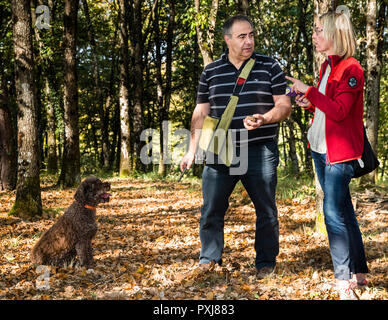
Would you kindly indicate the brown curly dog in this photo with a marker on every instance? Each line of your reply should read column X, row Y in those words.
column 72, row 234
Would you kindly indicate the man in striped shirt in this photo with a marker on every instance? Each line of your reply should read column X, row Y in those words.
column 263, row 97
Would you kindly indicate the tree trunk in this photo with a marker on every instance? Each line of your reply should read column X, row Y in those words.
column 52, row 159
column 197, row 167
column 8, row 149
column 304, row 114
column 112, row 104
column 125, row 141
column 243, row 7
column 28, row 203
column 98, row 91
column 71, row 173
column 292, row 144
column 8, row 154
column 165, row 106
column 159, row 90
column 373, row 74
column 137, row 47
column 206, row 44
column 320, row 7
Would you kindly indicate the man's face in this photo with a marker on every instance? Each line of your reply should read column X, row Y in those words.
column 240, row 42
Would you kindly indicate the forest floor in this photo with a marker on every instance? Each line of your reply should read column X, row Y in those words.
column 147, row 247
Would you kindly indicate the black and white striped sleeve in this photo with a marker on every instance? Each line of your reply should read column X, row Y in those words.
column 203, row 89
column 278, row 80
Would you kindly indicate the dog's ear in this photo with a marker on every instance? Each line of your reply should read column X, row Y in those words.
column 80, row 193
column 89, row 191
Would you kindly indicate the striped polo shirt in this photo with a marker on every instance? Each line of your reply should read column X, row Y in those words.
column 266, row 79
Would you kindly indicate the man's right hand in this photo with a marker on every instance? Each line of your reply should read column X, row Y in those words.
column 187, row 161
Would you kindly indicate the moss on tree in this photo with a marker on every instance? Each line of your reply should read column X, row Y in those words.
column 28, row 203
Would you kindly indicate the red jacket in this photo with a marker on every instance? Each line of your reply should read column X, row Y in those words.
column 342, row 105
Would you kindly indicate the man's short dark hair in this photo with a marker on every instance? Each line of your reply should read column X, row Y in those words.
column 229, row 23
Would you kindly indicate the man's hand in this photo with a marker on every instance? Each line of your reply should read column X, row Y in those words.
column 254, row 121
column 200, row 112
column 187, row 161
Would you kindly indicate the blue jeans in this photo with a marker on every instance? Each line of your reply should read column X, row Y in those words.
column 260, row 181
column 345, row 241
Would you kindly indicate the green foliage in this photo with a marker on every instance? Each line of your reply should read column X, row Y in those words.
column 283, row 31
column 291, row 186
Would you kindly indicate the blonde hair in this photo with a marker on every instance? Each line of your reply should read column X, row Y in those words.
column 338, row 28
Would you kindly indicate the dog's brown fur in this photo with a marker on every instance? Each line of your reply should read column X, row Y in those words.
column 72, row 234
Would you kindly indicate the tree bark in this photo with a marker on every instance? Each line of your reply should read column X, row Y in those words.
column 159, row 89
column 8, row 148
column 52, row 159
column 164, row 105
column 243, row 7
column 45, row 70
column 373, row 74
column 71, row 172
column 292, row 144
column 8, row 153
column 137, row 47
column 125, row 142
column 28, row 203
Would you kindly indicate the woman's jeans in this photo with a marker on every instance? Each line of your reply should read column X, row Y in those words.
column 345, row 241
column 260, row 182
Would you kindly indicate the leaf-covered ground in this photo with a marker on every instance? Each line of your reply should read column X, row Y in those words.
column 147, row 247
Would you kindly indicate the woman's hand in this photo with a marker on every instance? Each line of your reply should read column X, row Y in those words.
column 303, row 102
column 297, row 85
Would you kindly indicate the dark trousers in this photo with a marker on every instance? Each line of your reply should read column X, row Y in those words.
column 260, row 181
column 345, row 241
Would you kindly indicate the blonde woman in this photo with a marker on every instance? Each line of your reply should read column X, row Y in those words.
column 336, row 142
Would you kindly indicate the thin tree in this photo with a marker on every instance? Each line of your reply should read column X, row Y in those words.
column 373, row 74
column 206, row 43
column 125, row 143
column 70, row 173
column 164, row 104
column 28, row 201
column 52, row 159
column 8, row 152
column 243, row 7
column 98, row 89
column 8, row 149
column 136, row 50
column 320, row 7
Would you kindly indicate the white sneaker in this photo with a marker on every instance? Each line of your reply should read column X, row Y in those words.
column 345, row 291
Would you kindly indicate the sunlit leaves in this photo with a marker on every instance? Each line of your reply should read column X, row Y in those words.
column 147, row 247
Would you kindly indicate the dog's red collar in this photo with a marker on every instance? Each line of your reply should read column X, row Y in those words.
column 90, row 207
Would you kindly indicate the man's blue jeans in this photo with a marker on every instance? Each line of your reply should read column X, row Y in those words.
column 260, row 182
column 345, row 241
